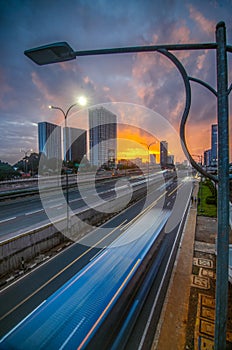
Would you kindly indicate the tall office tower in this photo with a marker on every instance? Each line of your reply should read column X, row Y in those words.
column 163, row 153
column 207, row 157
column 102, row 137
column 49, row 140
column 76, row 143
column 170, row 159
column 214, row 144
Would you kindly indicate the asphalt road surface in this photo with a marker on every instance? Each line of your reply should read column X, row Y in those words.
column 19, row 299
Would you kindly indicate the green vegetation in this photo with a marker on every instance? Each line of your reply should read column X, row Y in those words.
column 207, row 195
column 7, row 171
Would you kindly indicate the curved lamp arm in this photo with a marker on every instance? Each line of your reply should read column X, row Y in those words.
column 186, row 80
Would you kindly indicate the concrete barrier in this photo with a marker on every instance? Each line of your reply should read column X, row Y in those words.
column 30, row 244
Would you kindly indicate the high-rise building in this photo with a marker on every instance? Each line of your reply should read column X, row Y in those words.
column 214, row 144
column 102, row 137
column 163, row 153
column 170, row 159
column 207, row 157
column 76, row 143
column 49, row 137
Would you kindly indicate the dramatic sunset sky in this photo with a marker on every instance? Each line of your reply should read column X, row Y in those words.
column 138, row 84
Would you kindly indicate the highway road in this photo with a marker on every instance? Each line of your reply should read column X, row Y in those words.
column 142, row 333
column 27, row 293
column 19, row 215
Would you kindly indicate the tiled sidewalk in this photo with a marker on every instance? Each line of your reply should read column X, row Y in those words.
column 187, row 319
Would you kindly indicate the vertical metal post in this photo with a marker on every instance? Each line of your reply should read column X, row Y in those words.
column 223, row 192
column 148, row 167
column 66, row 157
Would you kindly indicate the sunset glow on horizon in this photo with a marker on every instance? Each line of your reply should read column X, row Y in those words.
column 149, row 80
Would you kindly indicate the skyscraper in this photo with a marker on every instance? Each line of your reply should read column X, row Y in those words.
column 207, row 157
column 102, row 137
column 163, row 153
column 49, row 137
column 76, row 144
column 170, row 159
column 214, row 144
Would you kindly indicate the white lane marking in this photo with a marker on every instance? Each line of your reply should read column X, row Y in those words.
column 71, row 334
column 123, row 227
column 24, row 319
column 97, row 253
column 34, row 212
column 12, row 218
column 78, row 199
column 55, row 206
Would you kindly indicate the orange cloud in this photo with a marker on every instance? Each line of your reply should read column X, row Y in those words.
column 42, row 87
column 156, row 65
column 206, row 25
column 201, row 60
column 67, row 67
column 87, row 80
column 133, row 143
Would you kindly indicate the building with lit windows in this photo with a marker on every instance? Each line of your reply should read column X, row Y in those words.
column 76, row 144
column 214, row 144
column 102, row 137
column 49, row 137
column 163, row 153
column 207, row 157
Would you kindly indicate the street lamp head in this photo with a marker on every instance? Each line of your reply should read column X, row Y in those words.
column 82, row 101
column 51, row 53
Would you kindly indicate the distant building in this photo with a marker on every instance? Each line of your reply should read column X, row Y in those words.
column 163, row 153
column 152, row 159
column 137, row 161
column 170, row 159
column 214, row 144
column 49, row 137
column 207, row 157
column 122, row 163
column 102, row 137
column 76, row 143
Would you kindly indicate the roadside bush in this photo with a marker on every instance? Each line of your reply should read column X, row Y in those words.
column 211, row 200
column 211, row 186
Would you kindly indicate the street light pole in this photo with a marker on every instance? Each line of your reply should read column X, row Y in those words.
column 25, row 158
column 223, row 190
column 81, row 101
column 148, row 156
